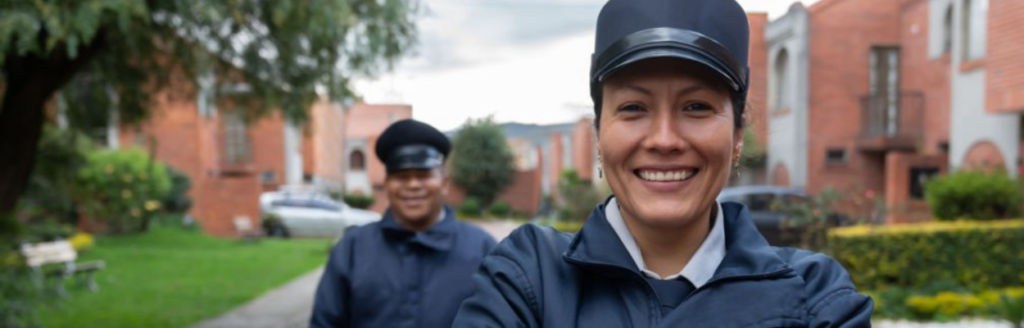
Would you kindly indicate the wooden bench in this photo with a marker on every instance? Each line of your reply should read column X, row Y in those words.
column 246, row 230
column 38, row 256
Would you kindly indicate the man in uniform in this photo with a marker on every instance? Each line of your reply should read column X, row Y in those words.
column 414, row 267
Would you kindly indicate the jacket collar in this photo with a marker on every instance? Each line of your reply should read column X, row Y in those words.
column 438, row 237
column 746, row 251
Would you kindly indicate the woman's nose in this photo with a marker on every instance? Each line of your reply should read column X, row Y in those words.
column 665, row 135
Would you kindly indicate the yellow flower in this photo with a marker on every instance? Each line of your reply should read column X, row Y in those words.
column 152, row 205
column 126, row 194
column 82, row 241
column 127, row 178
column 136, row 212
column 109, row 169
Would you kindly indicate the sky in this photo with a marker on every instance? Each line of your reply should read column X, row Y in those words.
column 521, row 61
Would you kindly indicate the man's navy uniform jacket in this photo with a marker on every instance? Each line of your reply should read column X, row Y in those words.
column 381, row 275
column 539, row 277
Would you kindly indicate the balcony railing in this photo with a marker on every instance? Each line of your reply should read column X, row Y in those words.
column 892, row 122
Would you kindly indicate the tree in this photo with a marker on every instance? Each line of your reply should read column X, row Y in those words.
column 578, row 196
column 282, row 52
column 481, row 160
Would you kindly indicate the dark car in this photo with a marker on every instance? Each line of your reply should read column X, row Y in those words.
column 768, row 207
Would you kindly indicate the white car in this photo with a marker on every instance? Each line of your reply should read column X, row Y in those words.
column 312, row 215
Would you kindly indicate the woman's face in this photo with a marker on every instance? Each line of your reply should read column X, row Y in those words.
column 667, row 140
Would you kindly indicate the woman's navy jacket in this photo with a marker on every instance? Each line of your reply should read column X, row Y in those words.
column 539, row 277
column 381, row 275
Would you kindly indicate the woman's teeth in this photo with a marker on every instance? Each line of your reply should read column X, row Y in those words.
column 666, row 176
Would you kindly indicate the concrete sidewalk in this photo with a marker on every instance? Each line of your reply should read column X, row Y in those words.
column 286, row 307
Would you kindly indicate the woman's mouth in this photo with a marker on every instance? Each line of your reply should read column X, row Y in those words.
column 665, row 175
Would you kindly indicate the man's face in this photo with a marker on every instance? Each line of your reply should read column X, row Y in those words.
column 416, row 196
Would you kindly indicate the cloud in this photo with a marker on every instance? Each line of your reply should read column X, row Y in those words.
column 518, row 60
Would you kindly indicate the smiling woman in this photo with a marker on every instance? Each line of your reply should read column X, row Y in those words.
column 669, row 85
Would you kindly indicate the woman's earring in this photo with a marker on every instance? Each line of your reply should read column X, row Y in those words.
column 600, row 166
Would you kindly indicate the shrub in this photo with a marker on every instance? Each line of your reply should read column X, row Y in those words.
column 977, row 255
column 177, row 200
column 47, row 229
column 19, row 298
column 122, row 189
column 1011, row 309
column 974, row 195
column 944, row 305
column 469, row 207
column 359, row 201
column 500, row 209
column 951, row 305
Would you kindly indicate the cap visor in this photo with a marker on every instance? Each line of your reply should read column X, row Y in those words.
column 665, row 51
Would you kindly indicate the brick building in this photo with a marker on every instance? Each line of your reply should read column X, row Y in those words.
column 231, row 158
column 878, row 95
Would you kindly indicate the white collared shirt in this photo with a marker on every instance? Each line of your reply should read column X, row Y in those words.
column 702, row 265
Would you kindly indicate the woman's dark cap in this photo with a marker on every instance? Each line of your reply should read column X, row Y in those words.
column 713, row 33
column 410, row 144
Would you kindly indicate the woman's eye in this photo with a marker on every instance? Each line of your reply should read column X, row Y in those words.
column 697, row 107
column 631, row 108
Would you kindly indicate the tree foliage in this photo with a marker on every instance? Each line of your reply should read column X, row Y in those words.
column 119, row 53
column 577, row 197
column 482, row 162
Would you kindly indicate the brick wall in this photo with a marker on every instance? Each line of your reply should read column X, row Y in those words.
column 757, row 97
column 899, row 206
column 267, row 137
column 1004, row 65
column 842, row 33
column 583, row 148
column 326, row 141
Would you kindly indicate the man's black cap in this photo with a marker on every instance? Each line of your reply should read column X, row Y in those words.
column 714, row 33
column 410, row 144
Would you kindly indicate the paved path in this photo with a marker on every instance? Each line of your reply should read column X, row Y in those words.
column 286, row 307
column 498, row 229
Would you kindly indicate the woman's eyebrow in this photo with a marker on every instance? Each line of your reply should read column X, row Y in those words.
column 645, row 91
column 631, row 87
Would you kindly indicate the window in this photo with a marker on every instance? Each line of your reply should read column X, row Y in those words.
column 357, row 161
column 947, row 30
column 236, row 142
column 973, row 29
column 884, row 81
column 918, row 177
column 835, row 156
column 781, row 81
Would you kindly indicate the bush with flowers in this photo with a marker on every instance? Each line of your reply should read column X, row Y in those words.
column 122, row 189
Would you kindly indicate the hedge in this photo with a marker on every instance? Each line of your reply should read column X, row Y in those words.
column 974, row 254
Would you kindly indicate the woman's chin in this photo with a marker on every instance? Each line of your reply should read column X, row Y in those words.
column 666, row 217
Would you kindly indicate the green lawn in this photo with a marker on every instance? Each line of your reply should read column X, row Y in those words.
column 172, row 278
